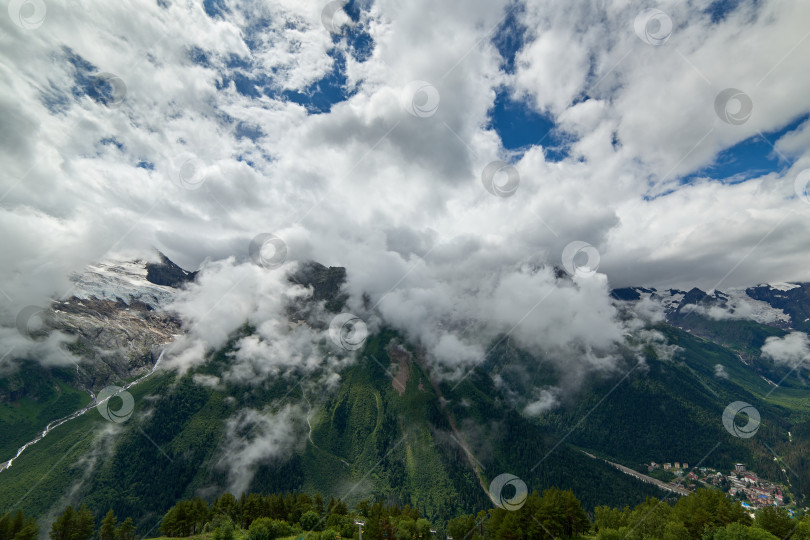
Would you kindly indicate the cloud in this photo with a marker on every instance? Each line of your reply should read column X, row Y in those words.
column 394, row 197
column 793, row 350
column 658, row 342
column 459, row 319
column 48, row 350
column 546, row 400
column 225, row 296
column 255, row 438
column 720, row 371
column 229, row 296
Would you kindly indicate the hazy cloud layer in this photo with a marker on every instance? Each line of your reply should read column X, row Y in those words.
column 793, row 350
column 255, row 438
column 204, row 146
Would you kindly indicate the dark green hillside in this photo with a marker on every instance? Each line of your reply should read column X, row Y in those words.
column 383, row 434
column 671, row 410
column 747, row 337
column 47, row 470
column 370, row 439
column 30, row 398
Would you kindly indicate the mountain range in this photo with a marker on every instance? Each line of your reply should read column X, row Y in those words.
column 379, row 424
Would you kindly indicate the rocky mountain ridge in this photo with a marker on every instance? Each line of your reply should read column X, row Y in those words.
column 782, row 305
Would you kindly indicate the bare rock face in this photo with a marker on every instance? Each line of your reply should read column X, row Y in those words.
column 116, row 341
column 167, row 273
column 117, row 320
column 326, row 285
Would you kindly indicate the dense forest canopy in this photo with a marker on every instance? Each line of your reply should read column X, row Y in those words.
column 704, row 514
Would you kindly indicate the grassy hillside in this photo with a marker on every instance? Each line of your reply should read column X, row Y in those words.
column 388, row 433
column 671, row 410
column 46, row 471
column 369, row 440
column 30, row 398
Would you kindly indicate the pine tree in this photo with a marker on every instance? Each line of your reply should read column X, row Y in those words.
column 29, row 531
column 17, row 522
column 107, row 530
column 62, row 528
column 5, row 521
column 84, row 524
column 17, row 527
column 319, row 504
column 126, row 531
column 776, row 521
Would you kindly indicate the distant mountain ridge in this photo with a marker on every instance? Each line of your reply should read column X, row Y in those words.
column 385, row 428
column 782, row 305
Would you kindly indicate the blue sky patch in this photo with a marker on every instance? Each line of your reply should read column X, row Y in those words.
column 84, row 83
column 106, row 141
column 199, row 57
column 253, row 36
column 353, row 10
column 248, row 131
column 105, row 88
column 214, row 8
column 520, row 126
column 319, row 96
column 510, row 36
column 56, row 100
column 242, row 159
column 361, row 45
column 750, row 158
column 245, row 85
column 359, row 41
column 720, row 9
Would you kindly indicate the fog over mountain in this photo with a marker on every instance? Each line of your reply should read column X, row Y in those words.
column 188, row 128
column 502, row 203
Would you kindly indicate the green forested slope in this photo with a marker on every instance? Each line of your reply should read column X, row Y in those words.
column 371, row 440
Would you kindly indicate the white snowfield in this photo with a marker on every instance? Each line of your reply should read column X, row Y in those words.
column 756, row 310
column 783, row 286
column 109, row 280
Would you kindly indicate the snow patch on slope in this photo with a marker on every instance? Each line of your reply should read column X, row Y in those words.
column 783, row 286
column 729, row 304
column 742, row 306
column 111, row 280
